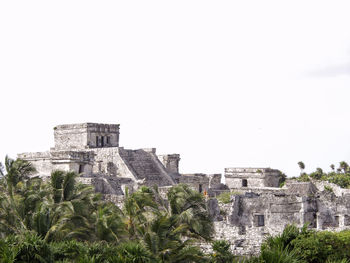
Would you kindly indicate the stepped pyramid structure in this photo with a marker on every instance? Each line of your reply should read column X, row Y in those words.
column 92, row 150
column 257, row 206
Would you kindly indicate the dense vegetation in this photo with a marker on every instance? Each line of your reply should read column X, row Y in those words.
column 61, row 220
column 339, row 176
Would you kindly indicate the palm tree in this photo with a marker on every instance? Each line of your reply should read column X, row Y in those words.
column 280, row 255
column 57, row 210
column 164, row 238
column 132, row 252
column 73, row 208
column 318, row 174
column 301, row 166
column 221, row 252
column 1, row 169
column 139, row 209
column 344, row 166
column 109, row 224
column 167, row 234
column 16, row 171
column 12, row 206
column 190, row 208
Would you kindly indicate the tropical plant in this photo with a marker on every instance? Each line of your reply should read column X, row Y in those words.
column 344, row 166
column 332, row 167
column 279, row 255
column 190, row 208
column 221, row 252
column 301, row 166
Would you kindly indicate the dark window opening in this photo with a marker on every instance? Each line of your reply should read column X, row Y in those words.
column 336, row 220
column 102, row 141
column 313, row 221
column 244, row 183
column 96, row 141
column 81, row 168
column 259, row 220
column 242, row 230
column 200, row 188
column 108, row 140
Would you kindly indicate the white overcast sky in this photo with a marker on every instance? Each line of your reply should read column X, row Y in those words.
column 223, row 83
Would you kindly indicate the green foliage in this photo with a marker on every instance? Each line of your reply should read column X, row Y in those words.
column 328, row 188
column 307, row 246
column 318, row 174
column 279, row 255
column 132, row 252
column 65, row 221
column 301, row 165
column 283, row 241
column 282, row 180
column 303, row 178
column 31, row 248
column 68, row 249
column 222, row 252
column 344, row 260
column 317, row 247
column 339, row 176
column 343, row 180
column 8, row 252
column 190, row 208
column 225, row 197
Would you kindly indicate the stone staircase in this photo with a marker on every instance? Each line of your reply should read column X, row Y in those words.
column 146, row 167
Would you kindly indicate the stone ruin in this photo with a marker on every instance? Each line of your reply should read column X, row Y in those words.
column 258, row 207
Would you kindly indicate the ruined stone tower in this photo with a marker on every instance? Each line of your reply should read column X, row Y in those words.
column 85, row 136
column 93, row 151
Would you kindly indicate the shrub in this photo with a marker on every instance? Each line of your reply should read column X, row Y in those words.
column 68, row 249
column 279, row 255
column 343, row 180
column 225, row 197
column 283, row 241
column 222, row 252
column 8, row 252
column 328, row 189
column 303, row 178
column 32, row 248
column 132, row 252
column 317, row 247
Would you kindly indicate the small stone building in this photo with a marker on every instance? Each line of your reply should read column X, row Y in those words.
column 252, row 177
column 92, row 150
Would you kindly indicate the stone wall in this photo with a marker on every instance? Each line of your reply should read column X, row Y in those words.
column 252, row 177
column 198, row 182
column 170, row 162
column 86, row 135
column 40, row 160
column 336, row 189
column 102, row 135
column 68, row 137
column 46, row 162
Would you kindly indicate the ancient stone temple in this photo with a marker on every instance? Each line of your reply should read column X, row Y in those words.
column 93, row 151
column 257, row 205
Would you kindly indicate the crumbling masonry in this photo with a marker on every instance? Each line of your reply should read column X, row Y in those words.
column 258, row 206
